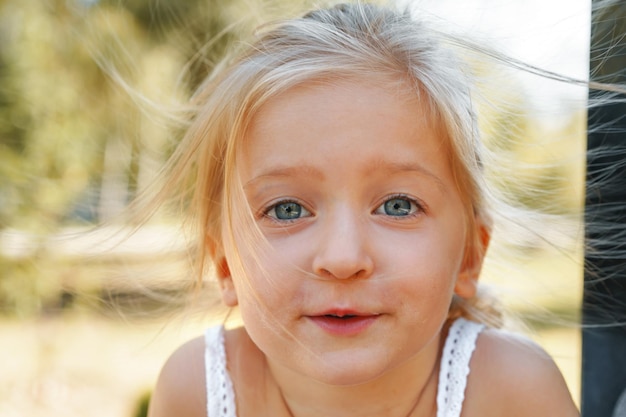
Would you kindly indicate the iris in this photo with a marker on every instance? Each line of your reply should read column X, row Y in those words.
column 288, row 211
column 397, row 207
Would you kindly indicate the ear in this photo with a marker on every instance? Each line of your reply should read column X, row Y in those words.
column 467, row 280
column 225, row 281
column 227, row 288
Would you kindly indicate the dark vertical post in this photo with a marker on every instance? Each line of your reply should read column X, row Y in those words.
column 604, row 299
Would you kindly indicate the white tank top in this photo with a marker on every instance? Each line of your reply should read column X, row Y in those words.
column 457, row 352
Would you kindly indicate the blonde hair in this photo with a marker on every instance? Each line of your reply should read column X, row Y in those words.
column 347, row 40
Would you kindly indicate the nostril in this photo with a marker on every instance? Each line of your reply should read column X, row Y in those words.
column 342, row 274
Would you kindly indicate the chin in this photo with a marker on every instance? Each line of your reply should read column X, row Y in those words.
column 347, row 371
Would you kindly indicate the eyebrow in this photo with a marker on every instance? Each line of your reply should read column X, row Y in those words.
column 312, row 172
column 394, row 167
column 290, row 171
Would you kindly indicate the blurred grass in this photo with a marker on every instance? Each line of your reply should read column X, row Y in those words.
column 82, row 365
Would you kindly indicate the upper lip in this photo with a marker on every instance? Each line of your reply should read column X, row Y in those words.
column 340, row 312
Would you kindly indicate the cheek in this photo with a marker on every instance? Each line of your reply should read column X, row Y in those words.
column 269, row 294
column 268, row 280
column 433, row 251
column 424, row 266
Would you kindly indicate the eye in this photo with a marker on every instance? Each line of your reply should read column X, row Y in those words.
column 287, row 210
column 398, row 206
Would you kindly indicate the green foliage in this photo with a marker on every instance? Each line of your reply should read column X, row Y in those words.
column 60, row 112
column 537, row 166
column 142, row 405
column 75, row 144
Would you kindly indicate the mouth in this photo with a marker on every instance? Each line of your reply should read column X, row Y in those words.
column 341, row 316
column 338, row 323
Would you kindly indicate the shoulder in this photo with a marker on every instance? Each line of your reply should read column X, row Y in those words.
column 511, row 375
column 180, row 389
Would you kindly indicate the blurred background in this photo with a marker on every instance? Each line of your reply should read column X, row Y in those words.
column 87, row 88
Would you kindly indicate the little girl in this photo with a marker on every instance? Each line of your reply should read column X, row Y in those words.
column 340, row 200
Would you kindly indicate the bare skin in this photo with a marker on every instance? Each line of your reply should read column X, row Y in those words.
column 510, row 376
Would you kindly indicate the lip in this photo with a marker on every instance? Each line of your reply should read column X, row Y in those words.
column 343, row 322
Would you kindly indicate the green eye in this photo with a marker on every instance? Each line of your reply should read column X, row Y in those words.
column 287, row 210
column 398, row 207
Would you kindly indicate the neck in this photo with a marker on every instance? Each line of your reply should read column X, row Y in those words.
column 410, row 389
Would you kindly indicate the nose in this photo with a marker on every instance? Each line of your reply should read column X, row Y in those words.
column 343, row 247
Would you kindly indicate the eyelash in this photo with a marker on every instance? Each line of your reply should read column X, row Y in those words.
column 265, row 213
column 419, row 206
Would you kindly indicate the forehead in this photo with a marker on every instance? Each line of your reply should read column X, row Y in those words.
column 381, row 115
column 346, row 130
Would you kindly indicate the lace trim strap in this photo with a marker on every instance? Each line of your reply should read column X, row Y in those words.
column 455, row 359
column 219, row 387
column 457, row 353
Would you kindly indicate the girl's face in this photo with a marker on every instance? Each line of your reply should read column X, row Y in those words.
column 365, row 229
